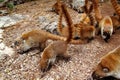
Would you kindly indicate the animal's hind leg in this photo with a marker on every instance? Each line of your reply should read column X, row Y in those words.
column 42, row 46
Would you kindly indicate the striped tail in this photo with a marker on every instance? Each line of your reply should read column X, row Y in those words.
column 59, row 27
column 68, row 21
column 92, row 20
column 97, row 11
column 116, row 7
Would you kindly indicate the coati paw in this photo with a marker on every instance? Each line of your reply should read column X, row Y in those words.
column 90, row 39
column 76, row 38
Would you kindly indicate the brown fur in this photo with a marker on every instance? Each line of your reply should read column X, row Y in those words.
column 109, row 65
column 37, row 38
column 116, row 23
column 116, row 7
column 86, row 30
column 57, row 7
column 105, row 23
column 57, row 48
column 106, row 28
column 97, row 11
column 80, row 30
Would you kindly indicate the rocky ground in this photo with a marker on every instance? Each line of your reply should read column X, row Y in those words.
column 83, row 57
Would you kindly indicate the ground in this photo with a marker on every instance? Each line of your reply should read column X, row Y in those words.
column 83, row 57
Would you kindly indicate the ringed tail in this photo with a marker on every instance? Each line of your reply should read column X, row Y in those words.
column 116, row 6
column 68, row 21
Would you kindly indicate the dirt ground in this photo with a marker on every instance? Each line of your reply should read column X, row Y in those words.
column 83, row 57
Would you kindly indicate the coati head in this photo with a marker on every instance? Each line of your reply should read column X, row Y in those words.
column 84, row 31
column 106, row 28
column 24, row 44
column 88, row 32
column 44, row 65
column 108, row 66
column 46, row 61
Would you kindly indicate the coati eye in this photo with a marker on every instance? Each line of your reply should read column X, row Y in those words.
column 16, row 43
column 106, row 70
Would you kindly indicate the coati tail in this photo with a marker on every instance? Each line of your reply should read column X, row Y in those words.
column 97, row 11
column 92, row 20
column 116, row 6
column 88, row 7
column 69, row 22
column 59, row 27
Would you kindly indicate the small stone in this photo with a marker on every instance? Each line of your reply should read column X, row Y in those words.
column 2, row 46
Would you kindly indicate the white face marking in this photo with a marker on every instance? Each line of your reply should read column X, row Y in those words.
column 109, row 27
column 26, row 46
column 93, row 34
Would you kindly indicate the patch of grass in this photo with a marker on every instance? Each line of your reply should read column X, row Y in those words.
column 1, row 1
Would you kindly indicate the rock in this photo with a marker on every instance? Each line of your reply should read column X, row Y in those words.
column 2, row 46
column 11, row 20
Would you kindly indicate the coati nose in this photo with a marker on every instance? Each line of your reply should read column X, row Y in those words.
column 16, row 43
column 95, row 76
column 76, row 38
column 107, row 34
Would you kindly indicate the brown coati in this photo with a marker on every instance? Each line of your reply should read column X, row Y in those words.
column 57, row 48
column 109, row 65
column 105, row 24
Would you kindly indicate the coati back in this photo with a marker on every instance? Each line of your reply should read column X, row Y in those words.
column 116, row 23
column 109, row 65
column 57, row 48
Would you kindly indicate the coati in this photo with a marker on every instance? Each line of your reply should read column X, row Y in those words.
column 57, row 48
column 105, row 24
column 80, row 30
column 109, row 65
column 37, row 38
column 106, row 28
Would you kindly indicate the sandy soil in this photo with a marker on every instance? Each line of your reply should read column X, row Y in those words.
column 83, row 57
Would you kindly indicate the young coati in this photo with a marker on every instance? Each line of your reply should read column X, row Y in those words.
column 37, row 38
column 57, row 48
column 105, row 24
column 81, row 30
column 109, row 65
column 106, row 28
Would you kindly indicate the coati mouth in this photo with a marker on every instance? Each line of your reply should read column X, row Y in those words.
column 97, row 77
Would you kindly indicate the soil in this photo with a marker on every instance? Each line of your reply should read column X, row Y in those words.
column 83, row 57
